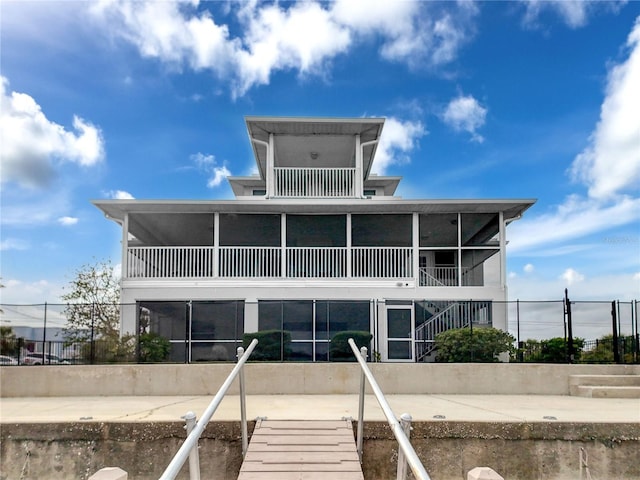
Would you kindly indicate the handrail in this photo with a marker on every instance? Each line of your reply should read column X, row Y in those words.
column 403, row 442
column 191, row 442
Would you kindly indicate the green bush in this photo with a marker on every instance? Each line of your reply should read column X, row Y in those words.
column 477, row 345
column 273, row 345
column 339, row 349
column 552, row 350
column 153, row 348
column 603, row 351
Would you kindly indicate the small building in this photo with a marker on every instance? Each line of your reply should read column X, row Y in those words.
column 313, row 244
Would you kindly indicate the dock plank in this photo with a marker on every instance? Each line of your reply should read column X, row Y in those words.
column 302, row 450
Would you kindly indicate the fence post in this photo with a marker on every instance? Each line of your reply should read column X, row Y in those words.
column 243, row 405
column 359, row 442
column 614, row 323
column 405, row 423
column 570, row 349
column 44, row 336
column 194, row 457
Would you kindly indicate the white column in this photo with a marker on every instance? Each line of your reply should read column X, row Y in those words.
column 216, row 244
column 359, row 189
column 283, row 245
column 124, row 268
column 270, row 167
column 415, row 242
column 503, row 254
column 459, row 250
column 349, row 247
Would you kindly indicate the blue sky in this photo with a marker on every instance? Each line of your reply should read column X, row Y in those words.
column 123, row 99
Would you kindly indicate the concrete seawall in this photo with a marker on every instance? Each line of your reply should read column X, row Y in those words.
column 295, row 378
column 519, row 451
column 67, row 422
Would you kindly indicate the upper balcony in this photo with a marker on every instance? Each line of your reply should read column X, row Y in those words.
column 312, row 158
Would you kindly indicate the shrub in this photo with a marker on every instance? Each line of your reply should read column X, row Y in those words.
column 153, row 348
column 477, row 345
column 273, row 345
column 552, row 350
column 339, row 349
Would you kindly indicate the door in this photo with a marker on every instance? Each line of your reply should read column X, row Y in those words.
column 399, row 333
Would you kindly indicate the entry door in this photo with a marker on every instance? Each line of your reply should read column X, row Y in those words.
column 400, row 325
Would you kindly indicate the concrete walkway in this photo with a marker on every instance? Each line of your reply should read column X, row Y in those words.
column 477, row 408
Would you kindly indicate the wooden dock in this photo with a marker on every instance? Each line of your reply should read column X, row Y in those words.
column 302, row 450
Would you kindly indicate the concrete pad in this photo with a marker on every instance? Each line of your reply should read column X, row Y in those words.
column 478, row 408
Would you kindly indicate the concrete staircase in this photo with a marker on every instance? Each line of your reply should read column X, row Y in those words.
column 605, row 386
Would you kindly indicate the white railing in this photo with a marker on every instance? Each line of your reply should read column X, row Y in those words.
column 250, row 262
column 314, row 182
column 400, row 430
column 266, row 262
column 316, row 262
column 453, row 315
column 189, row 448
column 441, row 276
column 170, row 262
column 382, row 262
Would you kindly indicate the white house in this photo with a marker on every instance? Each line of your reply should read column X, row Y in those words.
column 313, row 244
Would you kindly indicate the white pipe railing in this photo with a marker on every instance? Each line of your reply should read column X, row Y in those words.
column 314, row 182
column 397, row 429
column 191, row 442
column 250, row 262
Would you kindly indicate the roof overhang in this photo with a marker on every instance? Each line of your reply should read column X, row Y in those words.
column 312, row 133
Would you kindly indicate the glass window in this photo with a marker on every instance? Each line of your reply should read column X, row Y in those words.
column 213, row 351
column 269, row 315
column 298, row 319
column 399, row 350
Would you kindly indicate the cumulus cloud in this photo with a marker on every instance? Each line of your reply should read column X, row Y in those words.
column 464, row 113
column 67, row 221
column 610, row 164
column 571, row 276
column 119, row 195
column 208, row 164
column 302, row 36
column 609, row 167
column 528, row 268
column 32, row 145
column 574, row 13
column 398, row 139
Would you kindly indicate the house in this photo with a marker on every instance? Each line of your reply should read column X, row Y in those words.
column 313, row 244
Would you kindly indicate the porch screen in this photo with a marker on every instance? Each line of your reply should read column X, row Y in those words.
column 312, row 323
column 198, row 331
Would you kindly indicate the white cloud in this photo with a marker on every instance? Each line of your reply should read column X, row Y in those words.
column 13, row 244
column 32, row 145
column 208, row 164
column 303, row 36
column 609, row 166
column 571, row 276
column 575, row 218
column 67, row 221
column 464, row 113
column 611, row 163
column 398, row 139
column 573, row 12
column 120, row 195
column 528, row 268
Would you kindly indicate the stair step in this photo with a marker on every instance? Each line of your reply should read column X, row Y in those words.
column 600, row 391
column 605, row 380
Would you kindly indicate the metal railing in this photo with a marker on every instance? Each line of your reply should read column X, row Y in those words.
column 400, row 430
column 194, row 429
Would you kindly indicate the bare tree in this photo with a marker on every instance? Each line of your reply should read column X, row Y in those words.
column 93, row 303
